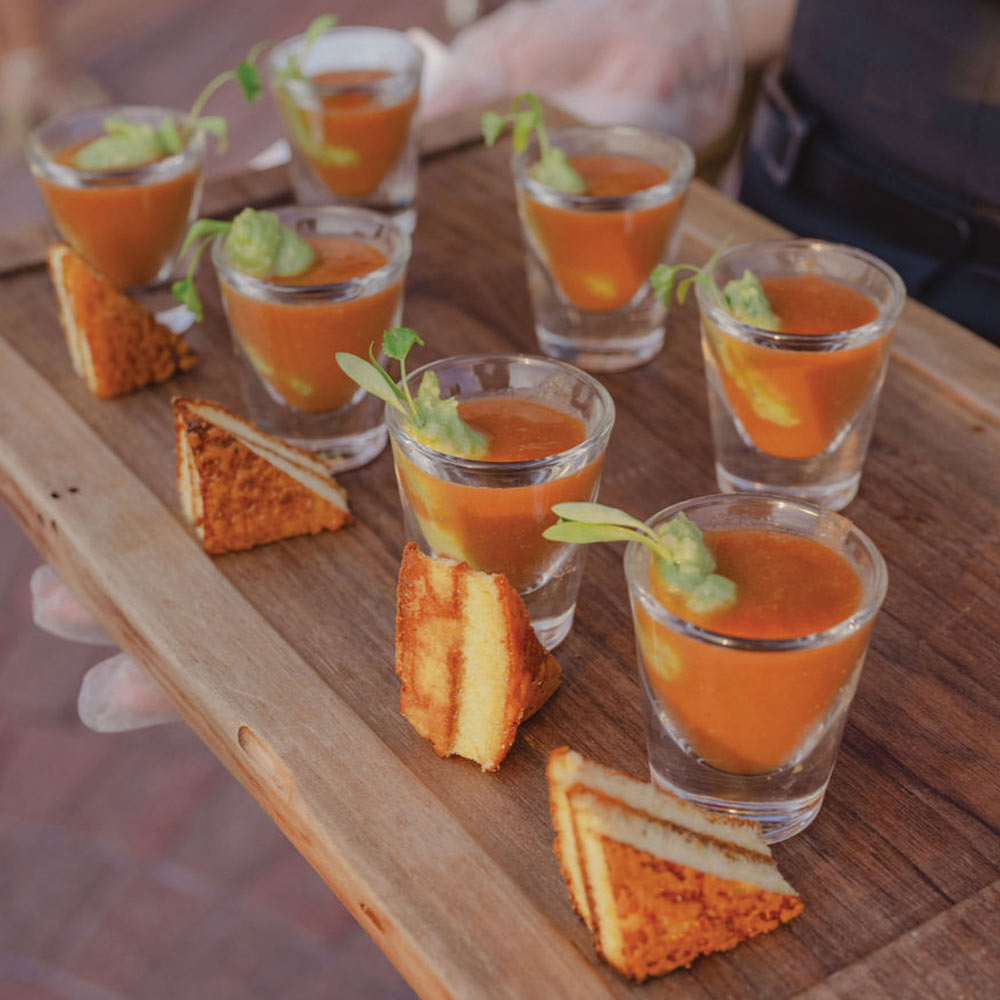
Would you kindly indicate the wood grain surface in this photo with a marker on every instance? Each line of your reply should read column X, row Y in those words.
column 281, row 658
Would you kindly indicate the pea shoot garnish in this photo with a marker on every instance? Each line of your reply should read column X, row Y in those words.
column 431, row 420
column 552, row 168
column 684, row 562
column 743, row 298
column 256, row 243
column 128, row 144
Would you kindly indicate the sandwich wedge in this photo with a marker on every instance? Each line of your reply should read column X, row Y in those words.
column 241, row 487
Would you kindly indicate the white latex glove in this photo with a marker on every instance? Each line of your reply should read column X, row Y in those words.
column 673, row 65
column 116, row 695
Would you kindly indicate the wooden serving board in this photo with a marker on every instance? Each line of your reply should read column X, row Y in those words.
column 282, row 658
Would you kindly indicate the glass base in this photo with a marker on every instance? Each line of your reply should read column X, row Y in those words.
column 617, row 354
column 832, row 496
column 552, row 631
column 339, row 454
column 778, row 820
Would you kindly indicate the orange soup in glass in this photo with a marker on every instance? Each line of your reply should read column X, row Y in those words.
column 349, row 108
column 745, row 705
column 127, row 223
column 793, row 409
column 547, row 426
column 590, row 255
column 287, row 331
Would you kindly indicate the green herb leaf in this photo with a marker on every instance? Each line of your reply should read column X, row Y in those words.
column 201, row 228
column 598, row 513
column 319, row 26
column 184, row 291
column 398, row 341
column 582, row 533
column 248, row 77
column 492, row 125
column 555, row 171
column 372, row 379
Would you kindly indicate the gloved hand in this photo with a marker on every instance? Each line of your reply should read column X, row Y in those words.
column 116, row 695
column 672, row 65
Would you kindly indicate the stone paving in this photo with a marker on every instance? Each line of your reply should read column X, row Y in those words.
column 133, row 865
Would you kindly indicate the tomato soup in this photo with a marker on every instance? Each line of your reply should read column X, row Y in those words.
column 292, row 344
column 794, row 404
column 600, row 259
column 747, row 711
column 126, row 230
column 499, row 530
column 357, row 123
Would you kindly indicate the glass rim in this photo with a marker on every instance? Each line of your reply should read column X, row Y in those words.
column 659, row 194
column 66, row 175
column 888, row 314
column 396, row 422
column 338, row 291
column 279, row 54
column 637, row 564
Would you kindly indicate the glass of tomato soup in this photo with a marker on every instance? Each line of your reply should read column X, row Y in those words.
column 287, row 331
column 547, row 425
column 745, row 705
column 348, row 100
column 589, row 256
column 793, row 409
column 127, row 223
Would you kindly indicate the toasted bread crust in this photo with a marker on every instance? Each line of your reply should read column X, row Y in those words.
column 242, row 499
column 705, row 914
column 116, row 344
column 430, row 659
column 649, row 913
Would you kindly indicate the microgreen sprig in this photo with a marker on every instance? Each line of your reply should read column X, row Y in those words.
column 743, row 298
column 553, row 167
column 432, row 420
column 683, row 560
column 257, row 243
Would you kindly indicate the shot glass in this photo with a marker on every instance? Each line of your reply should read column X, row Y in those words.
column 751, row 727
column 128, row 223
column 793, row 413
column 589, row 256
column 350, row 116
column 491, row 514
column 286, row 334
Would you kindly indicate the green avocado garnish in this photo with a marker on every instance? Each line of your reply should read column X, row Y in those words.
column 256, row 243
column 553, row 168
column 684, row 562
column 431, row 420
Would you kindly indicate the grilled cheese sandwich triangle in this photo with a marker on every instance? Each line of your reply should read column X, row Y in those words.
column 471, row 666
column 658, row 880
column 116, row 345
column 240, row 487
